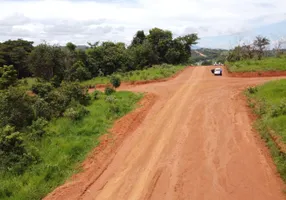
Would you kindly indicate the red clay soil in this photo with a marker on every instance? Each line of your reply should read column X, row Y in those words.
column 256, row 74
column 195, row 142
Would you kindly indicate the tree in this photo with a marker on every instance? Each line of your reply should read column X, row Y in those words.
column 161, row 41
column 142, row 55
column 260, row 44
column 189, row 40
column 46, row 61
column 16, row 52
column 108, row 58
column 8, row 76
column 77, row 72
column 70, row 46
column 115, row 81
column 139, row 38
column 15, row 108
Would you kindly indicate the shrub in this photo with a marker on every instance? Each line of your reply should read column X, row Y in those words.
column 110, row 99
column 108, row 90
column 252, row 90
column 8, row 76
column 96, row 94
column 14, row 155
column 37, row 129
column 16, row 108
column 114, row 108
column 115, row 81
column 279, row 109
column 74, row 91
column 42, row 88
column 76, row 111
column 41, row 108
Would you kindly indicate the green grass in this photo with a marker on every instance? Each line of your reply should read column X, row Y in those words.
column 269, row 102
column 154, row 73
column 266, row 64
column 64, row 148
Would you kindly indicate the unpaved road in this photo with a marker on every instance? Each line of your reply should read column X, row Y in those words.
column 196, row 143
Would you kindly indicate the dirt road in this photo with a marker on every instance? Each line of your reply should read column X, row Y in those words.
column 196, row 142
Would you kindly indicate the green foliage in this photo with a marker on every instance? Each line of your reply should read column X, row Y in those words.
column 76, row 111
column 157, row 71
column 37, row 129
column 78, row 72
column 42, row 88
column 270, row 103
column 115, row 81
column 96, row 94
column 265, row 64
column 63, row 149
column 46, row 61
column 16, row 52
column 14, row 155
column 109, row 90
column 15, row 108
column 252, row 90
column 8, row 76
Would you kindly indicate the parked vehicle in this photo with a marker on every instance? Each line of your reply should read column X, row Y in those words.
column 217, row 71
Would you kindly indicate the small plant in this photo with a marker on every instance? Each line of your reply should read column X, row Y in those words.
column 279, row 110
column 110, row 99
column 96, row 94
column 115, row 81
column 109, row 90
column 252, row 90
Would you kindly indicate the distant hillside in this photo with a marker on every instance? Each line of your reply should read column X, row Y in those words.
column 210, row 55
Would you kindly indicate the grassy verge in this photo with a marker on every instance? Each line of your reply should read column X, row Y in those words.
column 65, row 147
column 269, row 103
column 153, row 73
column 266, row 64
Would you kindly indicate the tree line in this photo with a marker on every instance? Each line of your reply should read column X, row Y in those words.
column 55, row 63
column 254, row 50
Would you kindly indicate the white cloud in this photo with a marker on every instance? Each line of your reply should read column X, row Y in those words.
column 82, row 21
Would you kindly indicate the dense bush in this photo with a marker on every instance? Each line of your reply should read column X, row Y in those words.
column 42, row 88
column 279, row 109
column 96, row 94
column 37, row 129
column 76, row 111
column 14, row 155
column 115, row 81
column 8, row 76
column 109, row 90
column 16, row 108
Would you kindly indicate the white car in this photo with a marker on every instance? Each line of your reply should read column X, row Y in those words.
column 218, row 71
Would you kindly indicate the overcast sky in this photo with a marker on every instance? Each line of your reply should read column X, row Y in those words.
column 220, row 23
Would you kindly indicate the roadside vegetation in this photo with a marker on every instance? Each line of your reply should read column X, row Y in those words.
column 265, row 64
column 269, row 103
column 154, row 73
column 45, row 133
column 255, row 57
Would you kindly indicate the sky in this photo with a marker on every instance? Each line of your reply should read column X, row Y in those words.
column 219, row 23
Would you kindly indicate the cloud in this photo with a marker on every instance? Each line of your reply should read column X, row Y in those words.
column 80, row 21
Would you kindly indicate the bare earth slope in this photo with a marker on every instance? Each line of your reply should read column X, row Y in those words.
column 196, row 142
